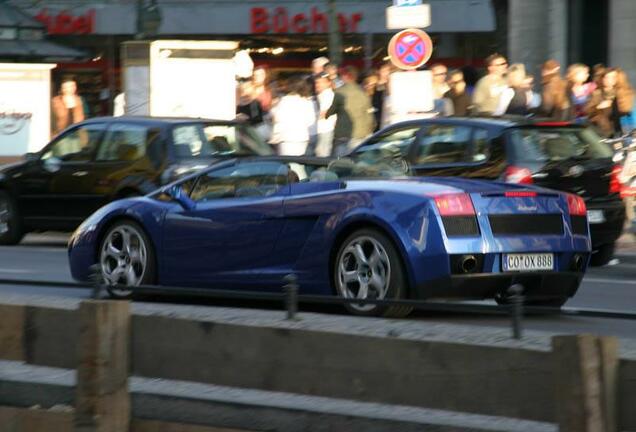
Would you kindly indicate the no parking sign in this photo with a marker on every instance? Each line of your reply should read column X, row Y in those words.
column 410, row 49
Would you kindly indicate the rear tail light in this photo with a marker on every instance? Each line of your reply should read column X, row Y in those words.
column 519, row 175
column 520, row 194
column 615, row 185
column 576, row 205
column 455, row 204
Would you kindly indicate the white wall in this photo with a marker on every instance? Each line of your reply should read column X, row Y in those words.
column 25, row 107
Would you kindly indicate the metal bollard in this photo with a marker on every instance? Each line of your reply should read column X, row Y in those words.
column 291, row 296
column 97, row 280
column 515, row 294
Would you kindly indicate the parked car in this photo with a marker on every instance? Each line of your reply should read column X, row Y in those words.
column 555, row 155
column 102, row 159
column 343, row 228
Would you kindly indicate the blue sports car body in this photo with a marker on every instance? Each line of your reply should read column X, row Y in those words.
column 246, row 223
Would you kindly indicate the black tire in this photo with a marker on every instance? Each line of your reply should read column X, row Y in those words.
column 10, row 225
column 602, row 255
column 147, row 276
column 397, row 282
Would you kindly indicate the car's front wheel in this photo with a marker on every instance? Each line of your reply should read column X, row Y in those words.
column 368, row 267
column 10, row 229
column 127, row 259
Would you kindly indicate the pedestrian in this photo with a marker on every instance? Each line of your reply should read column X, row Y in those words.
column 579, row 90
column 369, row 83
column 517, row 97
column 334, row 75
column 317, row 68
column 261, row 87
column 358, row 105
column 67, row 106
column 490, row 87
column 326, row 125
column 554, row 95
column 457, row 94
column 440, row 87
column 293, row 119
column 611, row 101
column 598, row 70
column 380, row 94
column 248, row 108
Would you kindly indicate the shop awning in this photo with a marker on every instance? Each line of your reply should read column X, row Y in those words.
column 22, row 38
column 38, row 49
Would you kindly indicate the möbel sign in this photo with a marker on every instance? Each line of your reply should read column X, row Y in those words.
column 278, row 20
column 64, row 23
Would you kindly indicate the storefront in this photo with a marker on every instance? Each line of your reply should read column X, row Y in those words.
column 283, row 34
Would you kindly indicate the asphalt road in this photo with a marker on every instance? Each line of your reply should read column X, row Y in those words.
column 43, row 257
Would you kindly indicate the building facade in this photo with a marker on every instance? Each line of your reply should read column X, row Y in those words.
column 573, row 31
column 283, row 34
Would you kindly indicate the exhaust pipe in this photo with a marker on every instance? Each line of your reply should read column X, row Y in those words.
column 578, row 262
column 468, row 264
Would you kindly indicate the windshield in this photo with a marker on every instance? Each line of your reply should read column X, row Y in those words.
column 205, row 140
column 554, row 144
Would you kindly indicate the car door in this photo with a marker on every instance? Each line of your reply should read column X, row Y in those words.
column 125, row 162
column 448, row 149
column 53, row 188
column 227, row 240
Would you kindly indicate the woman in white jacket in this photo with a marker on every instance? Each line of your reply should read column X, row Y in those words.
column 294, row 119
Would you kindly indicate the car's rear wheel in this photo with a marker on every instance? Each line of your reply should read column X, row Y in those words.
column 368, row 267
column 602, row 255
column 127, row 259
column 10, row 229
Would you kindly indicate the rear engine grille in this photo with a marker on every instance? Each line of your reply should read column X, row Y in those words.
column 460, row 226
column 579, row 224
column 537, row 224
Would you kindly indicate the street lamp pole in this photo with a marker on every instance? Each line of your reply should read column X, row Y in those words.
column 335, row 38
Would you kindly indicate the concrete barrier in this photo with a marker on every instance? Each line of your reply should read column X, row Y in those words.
column 494, row 381
column 462, row 374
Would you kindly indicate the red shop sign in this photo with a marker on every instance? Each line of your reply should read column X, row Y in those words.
column 64, row 23
column 278, row 20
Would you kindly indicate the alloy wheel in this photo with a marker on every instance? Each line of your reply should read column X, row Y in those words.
column 364, row 272
column 124, row 258
column 5, row 215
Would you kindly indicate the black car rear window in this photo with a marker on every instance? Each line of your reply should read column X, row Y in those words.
column 542, row 144
column 204, row 140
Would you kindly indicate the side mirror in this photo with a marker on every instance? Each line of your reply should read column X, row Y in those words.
column 177, row 194
column 29, row 157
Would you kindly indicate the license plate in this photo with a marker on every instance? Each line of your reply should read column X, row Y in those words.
column 528, row 262
column 595, row 216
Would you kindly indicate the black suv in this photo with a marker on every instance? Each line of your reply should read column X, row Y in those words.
column 102, row 159
column 556, row 155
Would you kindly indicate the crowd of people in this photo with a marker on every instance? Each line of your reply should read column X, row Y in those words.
column 604, row 101
column 333, row 109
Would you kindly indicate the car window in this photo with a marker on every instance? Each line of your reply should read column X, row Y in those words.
column 126, row 142
column 391, row 147
column 206, row 140
column 542, row 144
column 450, row 144
column 77, row 145
column 243, row 180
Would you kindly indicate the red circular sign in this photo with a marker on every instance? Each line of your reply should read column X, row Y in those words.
column 410, row 49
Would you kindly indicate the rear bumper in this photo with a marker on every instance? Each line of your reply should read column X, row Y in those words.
column 479, row 286
column 610, row 230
